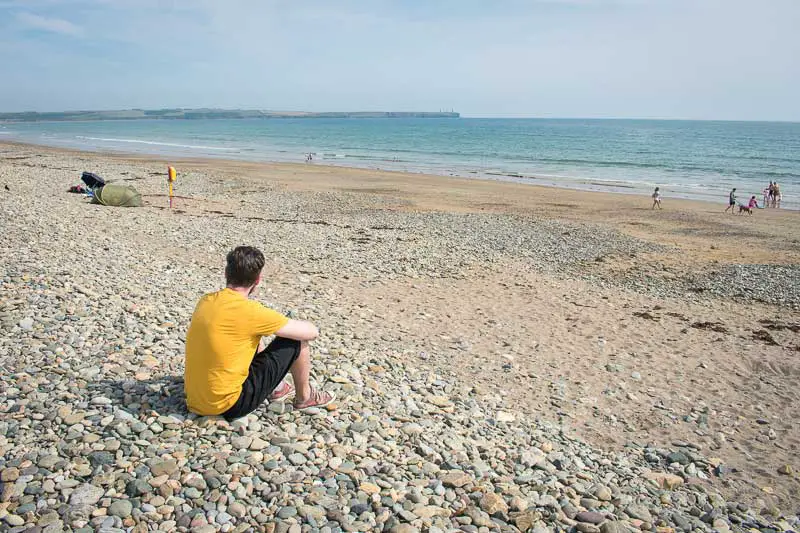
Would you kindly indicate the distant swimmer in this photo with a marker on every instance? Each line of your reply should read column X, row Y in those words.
column 656, row 199
column 731, row 201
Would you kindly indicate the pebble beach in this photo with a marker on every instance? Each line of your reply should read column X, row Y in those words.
column 505, row 357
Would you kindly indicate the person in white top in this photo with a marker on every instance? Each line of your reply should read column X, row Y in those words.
column 656, row 199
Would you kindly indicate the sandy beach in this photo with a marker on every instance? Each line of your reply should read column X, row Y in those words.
column 464, row 323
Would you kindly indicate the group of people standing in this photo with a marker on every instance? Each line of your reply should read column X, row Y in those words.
column 772, row 198
column 772, row 195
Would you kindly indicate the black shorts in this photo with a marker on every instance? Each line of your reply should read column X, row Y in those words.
column 267, row 370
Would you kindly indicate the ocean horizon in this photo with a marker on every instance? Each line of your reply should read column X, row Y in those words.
column 700, row 160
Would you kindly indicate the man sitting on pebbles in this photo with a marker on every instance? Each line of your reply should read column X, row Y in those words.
column 229, row 371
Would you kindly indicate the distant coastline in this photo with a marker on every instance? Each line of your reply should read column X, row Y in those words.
column 195, row 114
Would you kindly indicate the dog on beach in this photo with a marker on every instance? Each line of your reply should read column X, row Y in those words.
column 752, row 204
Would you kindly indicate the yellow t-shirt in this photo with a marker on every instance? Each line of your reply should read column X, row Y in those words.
column 222, row 339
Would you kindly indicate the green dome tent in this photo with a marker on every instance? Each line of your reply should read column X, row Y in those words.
column 117, row 195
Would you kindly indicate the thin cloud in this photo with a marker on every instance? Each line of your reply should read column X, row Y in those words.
column 53, row 25
column 569, row 58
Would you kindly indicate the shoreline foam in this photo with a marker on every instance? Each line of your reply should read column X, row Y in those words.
column 585, row 174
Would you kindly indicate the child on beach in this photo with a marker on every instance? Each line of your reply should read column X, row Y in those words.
column 731, row 201
column 752, row 204
column 656, row 199
column 229, row 371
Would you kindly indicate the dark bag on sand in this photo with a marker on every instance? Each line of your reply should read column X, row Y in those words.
column 92, row 180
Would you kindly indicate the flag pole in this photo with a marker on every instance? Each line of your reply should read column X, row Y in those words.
column 171, row 176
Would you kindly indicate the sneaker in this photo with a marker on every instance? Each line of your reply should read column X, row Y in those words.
column 281, row 391
column 317, row 399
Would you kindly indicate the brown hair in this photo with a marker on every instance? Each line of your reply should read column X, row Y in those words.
column 244, row 264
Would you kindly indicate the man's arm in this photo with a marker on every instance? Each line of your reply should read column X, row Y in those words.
column 299, row 330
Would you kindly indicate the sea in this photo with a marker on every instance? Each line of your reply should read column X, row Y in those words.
column 699, row 160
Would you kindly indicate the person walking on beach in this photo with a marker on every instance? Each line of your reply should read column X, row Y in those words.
column 731, row 201
column 229, row 371
column 776, row 195
column 767, row 194
column 656, row 199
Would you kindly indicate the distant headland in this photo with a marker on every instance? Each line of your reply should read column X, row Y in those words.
column 194, row 114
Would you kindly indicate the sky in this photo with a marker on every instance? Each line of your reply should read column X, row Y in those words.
column 680, row 59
